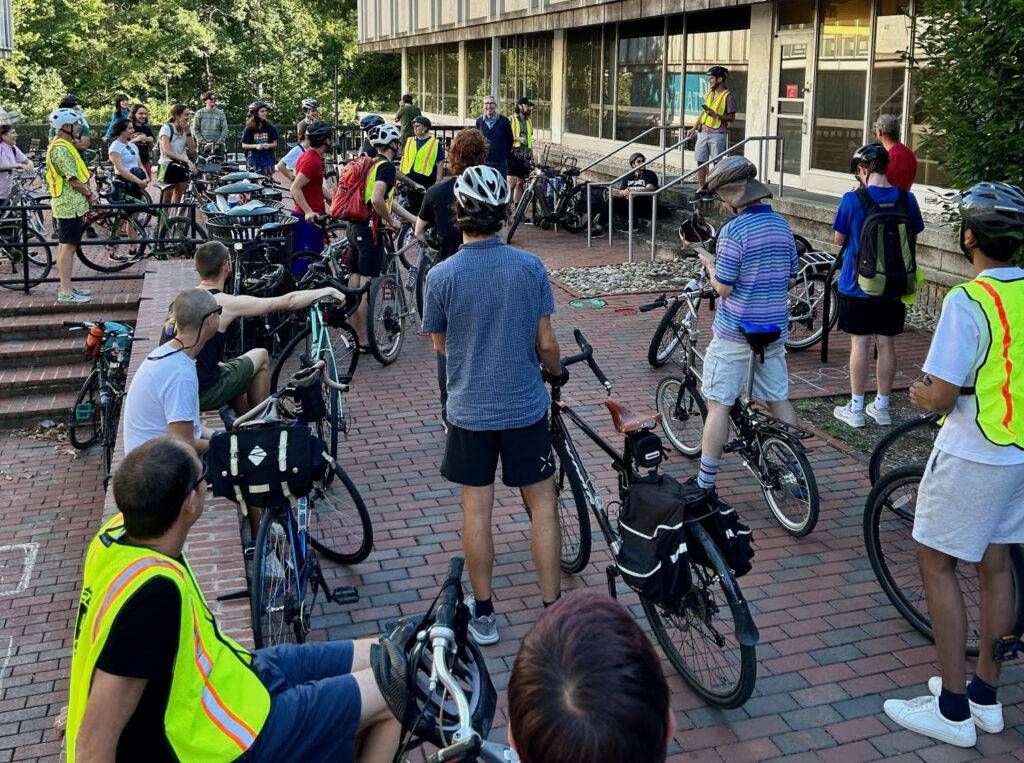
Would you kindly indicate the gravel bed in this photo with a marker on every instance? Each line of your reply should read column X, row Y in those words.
column 626, row 278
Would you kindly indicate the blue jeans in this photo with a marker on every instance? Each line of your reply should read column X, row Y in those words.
column 314, row 703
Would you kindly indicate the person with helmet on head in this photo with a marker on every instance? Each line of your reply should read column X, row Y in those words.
column 407, row 111
column 366, row 124
column 641, row 179
column 861, row 315
column 70, row 101
column 488, row 309
column 754, row 265
column 67, row 179
column 210, row 127
column 422, row 160
column 259, row 139
column 308, row 189
column 717, row 111
column 520, row 161
column 970, row 503
column 310, row 114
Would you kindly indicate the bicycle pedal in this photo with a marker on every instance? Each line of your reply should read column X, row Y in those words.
column 733, row 446
column 1007, row 648
column 345, row 594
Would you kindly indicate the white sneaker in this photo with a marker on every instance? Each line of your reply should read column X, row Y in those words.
column 484, row 630
column 881, row 416
column 847, row 415
column 922, row 715
column 988, row 718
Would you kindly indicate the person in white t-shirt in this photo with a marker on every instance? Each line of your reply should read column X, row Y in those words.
column 129, row 176
column 970, row 503
column 164, row 394
column 287, row 164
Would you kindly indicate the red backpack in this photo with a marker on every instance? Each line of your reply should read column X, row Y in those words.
column 349, row 202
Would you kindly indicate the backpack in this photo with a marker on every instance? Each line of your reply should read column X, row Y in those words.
column 730, row 535
column 886, row 260
column 349, row 202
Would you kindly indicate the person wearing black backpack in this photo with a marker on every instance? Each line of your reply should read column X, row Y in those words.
column 876, row 228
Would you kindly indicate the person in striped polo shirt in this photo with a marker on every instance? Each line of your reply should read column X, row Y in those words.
column 754, row 266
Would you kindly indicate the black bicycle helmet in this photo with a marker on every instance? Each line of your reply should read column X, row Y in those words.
column 318, row 132
column 257, row 105
column 422, row 120
column 718, row 71
column 634, row 156
column 995, row 214
column 732, row 169
column 695, row 230
column 370, row 121
column 873, row 156
column 266, row 283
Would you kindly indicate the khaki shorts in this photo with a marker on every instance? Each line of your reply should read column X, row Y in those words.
column 725, row 372
column 235, row 375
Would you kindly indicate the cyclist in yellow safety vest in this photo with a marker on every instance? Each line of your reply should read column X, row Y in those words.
column 970, row 502
column 521, row 160
column 422, row 162
column 717, row 111
column 154, row 678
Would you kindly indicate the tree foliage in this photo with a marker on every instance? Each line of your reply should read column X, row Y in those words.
column 972, row 58
column 279, row 50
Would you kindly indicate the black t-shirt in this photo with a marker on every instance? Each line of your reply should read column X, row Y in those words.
column 437, row 211
column 646, row 178
column 143, row 643
column 209, row 358
column 145, row 149
column 386, row 173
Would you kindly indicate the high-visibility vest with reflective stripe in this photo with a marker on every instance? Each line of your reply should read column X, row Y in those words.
column 54, row 180
column 999, row 386
column 517, row 143
column 217, row 704
column 371, row 180
column 715, row 102
column 422, row 161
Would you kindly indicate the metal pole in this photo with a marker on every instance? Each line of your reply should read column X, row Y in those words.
column 24, row 247
column 654, row 222
column 590, row 219
column 782, row 164
column 611, row 218
column 629, row 236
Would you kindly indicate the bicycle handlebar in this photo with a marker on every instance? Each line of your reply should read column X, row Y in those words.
column 585, row 356
column 659, row 302
column 450, row 594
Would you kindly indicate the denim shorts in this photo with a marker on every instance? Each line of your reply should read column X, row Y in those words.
column 725, row 372
column 708, row 144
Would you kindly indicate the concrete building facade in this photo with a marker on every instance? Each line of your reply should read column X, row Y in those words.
column 6, row 29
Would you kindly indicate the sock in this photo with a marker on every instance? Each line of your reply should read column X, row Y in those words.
column 483, row 608
column 980, row 692
column 954, row 707
column 708, row 471
column 882, row 402
column 549, row 603
column 857, row 402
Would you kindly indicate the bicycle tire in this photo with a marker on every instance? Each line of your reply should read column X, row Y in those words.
column 40, row 257
column 273, row 598
column 795, row 459
column 574, row 217
column 575, row 544
column 79, row 436
column 114, row 257
column 383, row 310
column 338, row 540
column 665, row 340
column 889, row 515
column 179, row 227
column 739, row 690
column 814, row 335
column 679, row 402
column 110, row 423
column 520, row 213
column 911, row 428
column 426, row 263
column 401, row 241
column 346, row 358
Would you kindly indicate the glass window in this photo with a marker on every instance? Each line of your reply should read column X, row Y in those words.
column 431, row 80
column 641, row 51
column 841, row 83
column 450, row 79
column 888, row 76
column 795, row 14
column 585, row 79
column 526, row 70
column 478, row 74
column 412, row 82
column 674, row 60
column 717, row 37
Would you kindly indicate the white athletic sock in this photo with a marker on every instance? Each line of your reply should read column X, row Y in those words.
column 708, row 471
column 857, row 402
column 881, row 402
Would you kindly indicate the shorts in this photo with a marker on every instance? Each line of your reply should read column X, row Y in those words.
column 864, row 316
column 306, row 237
column 471, row 458
column 725, row 372
column 172, row 173
column 314, row 702
column 235, row 375
column 70, row 229
column 519, row 165
column 708, row 144
column 367, row 255
column 950, row 518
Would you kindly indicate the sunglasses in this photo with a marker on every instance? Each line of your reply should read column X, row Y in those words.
column 203, row 476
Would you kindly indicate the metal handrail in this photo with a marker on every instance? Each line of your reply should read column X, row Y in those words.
column 760, row 139
column 606, row 184
column 613, row 152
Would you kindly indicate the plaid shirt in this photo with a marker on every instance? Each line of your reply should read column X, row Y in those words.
column 209, row 126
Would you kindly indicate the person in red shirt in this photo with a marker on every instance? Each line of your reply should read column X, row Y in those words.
column 308, row 192
column 902, row 168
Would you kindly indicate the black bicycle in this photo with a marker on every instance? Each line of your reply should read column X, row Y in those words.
column 709, row 636
column 903, row 444
column 555, row 197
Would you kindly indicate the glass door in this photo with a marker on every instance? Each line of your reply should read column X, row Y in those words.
column 791, row 104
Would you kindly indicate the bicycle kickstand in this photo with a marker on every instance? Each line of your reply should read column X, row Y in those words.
column 612, row 572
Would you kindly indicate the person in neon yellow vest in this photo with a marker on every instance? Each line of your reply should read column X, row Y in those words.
column 422, row 161
column 520, row 162
column 717, row 111
column 153, row 677
column 970, row 502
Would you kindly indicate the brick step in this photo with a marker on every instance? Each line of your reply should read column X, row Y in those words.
column 30, row 379
column 29, row 409
column 43, row 352
column 45, row 304
column 24, row 327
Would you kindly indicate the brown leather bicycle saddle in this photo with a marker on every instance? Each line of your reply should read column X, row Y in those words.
column 626, row 421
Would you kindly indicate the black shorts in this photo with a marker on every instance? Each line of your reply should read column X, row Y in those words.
column 471, row 458
column 518, row 166
column 70, row 229
column 367, row 257
column 865, row 317
column 172, row 173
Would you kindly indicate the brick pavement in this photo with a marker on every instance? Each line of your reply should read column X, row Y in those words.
column 832, row 647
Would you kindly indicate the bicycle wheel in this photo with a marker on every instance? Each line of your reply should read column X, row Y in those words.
column 274, row 591
column 701, row 641
column 384, row 308
column 421, row 283
column 914, row 436
column 86, row 420
column 665, row 340
column 339, row 524
column 573, row 512
column 574, row 216
column 111, row 420
column 788, row 484
column 682, row 410
column 13, row 257
column 806, row 310
column 115, row 255
column 524, row 203
column 180, row 233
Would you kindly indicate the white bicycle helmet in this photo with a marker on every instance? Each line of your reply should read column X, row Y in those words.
column 482, row 190
column 310, row 103
column 384, row 135
column 60, row 117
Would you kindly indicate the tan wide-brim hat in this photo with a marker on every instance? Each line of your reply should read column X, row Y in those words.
column 743, row 192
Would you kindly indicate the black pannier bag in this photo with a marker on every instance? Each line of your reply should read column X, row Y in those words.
column 729, row 534
column 653, row 557
column 272, row 466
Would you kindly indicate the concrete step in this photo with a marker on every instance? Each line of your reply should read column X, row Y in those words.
column 28, row 410
column 42, row 352
column 48, row 326
column 31, row 379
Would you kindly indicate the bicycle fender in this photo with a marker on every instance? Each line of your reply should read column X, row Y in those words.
column 746, row 631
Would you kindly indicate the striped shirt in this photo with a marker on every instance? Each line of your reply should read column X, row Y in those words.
column 756, row 255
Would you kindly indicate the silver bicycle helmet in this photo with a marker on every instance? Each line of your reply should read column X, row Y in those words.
column 310, row 103
column 482, row 190
column 995, row 214
column 384, row 135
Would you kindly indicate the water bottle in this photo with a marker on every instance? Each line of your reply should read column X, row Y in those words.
column 410, row 282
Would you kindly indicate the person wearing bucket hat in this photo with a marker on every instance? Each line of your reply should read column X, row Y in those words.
column 641, row 179
column 753, row 268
